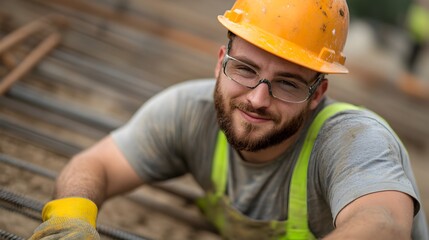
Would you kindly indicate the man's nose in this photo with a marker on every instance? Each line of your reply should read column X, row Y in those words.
column 260, row 96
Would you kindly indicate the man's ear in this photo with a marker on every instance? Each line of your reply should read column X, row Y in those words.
column 318, row 94
column 221, row 54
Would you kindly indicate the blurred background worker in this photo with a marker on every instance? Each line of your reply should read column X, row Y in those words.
column 399, row 29
column 276, row 157
column 387, row 20
column 418, row 25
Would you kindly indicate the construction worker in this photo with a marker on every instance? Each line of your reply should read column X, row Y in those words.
column 418, row 26
column 410, row 82
column 276, row 157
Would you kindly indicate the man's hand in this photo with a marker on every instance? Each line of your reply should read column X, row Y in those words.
column 65, row 228
column 68, row 218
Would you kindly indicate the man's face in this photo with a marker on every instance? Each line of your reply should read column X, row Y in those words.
column 252, row 119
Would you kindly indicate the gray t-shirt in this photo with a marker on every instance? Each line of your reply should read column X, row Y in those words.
column 355, row 153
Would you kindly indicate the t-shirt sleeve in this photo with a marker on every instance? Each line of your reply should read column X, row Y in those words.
column 358, row 154
column 149, row 140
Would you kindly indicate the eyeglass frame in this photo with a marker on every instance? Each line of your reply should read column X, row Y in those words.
column 311, row 89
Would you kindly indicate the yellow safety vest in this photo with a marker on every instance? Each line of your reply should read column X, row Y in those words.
column 234, row 225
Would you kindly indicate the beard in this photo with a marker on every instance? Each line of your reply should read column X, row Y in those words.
column 270, row 138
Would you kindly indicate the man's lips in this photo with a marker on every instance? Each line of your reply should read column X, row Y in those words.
column 253, row 117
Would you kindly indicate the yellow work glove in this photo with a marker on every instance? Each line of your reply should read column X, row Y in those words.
column 68, row 218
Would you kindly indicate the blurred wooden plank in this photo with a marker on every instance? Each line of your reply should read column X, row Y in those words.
column 30, row 61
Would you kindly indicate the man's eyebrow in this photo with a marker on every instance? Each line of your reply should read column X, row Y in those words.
column 292, row 75
column 279, row 74
column 247, row 61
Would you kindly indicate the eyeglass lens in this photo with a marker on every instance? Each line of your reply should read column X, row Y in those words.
column 285, row 89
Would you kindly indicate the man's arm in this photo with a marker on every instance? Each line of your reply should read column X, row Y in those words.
column 380, row 215
column 97, row 173
column 83, row 185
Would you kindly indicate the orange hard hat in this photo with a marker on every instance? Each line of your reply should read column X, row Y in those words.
column 310, row 33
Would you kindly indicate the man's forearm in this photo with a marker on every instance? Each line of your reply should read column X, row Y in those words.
column 82, row 178
column 374, row 223
column 97, row 173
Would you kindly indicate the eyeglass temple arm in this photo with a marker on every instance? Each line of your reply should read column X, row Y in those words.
column 316, row 84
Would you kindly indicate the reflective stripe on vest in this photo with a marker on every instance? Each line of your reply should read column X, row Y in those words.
column 297, row 221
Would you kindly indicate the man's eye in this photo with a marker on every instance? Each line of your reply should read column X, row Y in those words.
column 245, row 71
column 288, row 84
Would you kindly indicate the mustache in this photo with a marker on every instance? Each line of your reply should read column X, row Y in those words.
column 248, row 108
